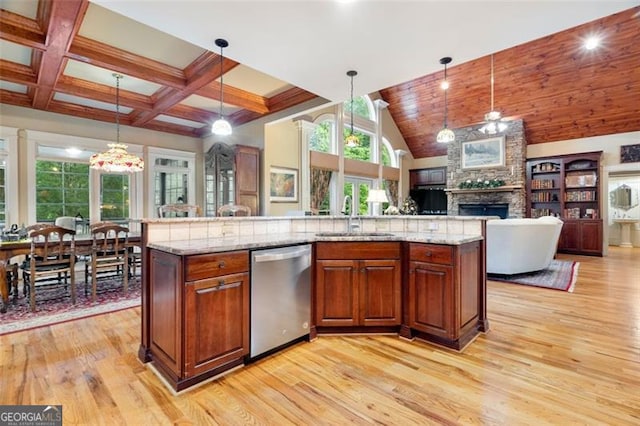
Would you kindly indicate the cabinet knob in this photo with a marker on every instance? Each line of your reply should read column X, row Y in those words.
column 427, row 253
column 221, row 265
column 220, row 283
column 362, row 270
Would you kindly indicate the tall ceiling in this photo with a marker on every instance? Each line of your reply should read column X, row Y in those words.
column 60, row 55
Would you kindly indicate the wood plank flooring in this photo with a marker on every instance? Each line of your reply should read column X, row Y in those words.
column 550, row 358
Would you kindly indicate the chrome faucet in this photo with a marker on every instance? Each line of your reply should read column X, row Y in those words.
column 350, row 225
column 347, row 198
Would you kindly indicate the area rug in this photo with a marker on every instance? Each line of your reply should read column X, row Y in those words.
column 52, row 306
column 560, row 275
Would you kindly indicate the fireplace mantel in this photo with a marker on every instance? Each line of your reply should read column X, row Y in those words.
column 505, row 188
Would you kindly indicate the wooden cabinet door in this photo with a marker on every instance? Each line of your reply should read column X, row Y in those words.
column 591, row 237
column 570, row 236
column 247, row 165
column 336, row 293
column 380, row 293
column 165, row 310
column 216, row 322
column 431, row 299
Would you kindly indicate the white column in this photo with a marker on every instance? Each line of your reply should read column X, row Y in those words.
column 400, row 153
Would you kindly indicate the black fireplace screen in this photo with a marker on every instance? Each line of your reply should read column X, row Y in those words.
column 501, row 210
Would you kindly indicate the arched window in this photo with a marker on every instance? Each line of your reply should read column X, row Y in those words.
column 322, row 138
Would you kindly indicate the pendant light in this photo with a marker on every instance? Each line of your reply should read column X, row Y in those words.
column 352, row 140
column 221, row 127
column 445, row 135
column 116, row 159
column 493, row 118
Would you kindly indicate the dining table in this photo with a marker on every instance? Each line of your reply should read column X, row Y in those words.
column 10, row 249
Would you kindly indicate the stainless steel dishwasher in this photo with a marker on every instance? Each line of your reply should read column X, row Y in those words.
column 280, row 297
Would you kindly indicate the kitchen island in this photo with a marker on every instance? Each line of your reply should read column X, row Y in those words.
column 411, row 277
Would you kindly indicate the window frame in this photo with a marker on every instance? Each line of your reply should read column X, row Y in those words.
column 36, row 139
column 9, row 154
column 171, row 154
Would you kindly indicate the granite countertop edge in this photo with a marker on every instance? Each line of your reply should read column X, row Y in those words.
column 258, row 242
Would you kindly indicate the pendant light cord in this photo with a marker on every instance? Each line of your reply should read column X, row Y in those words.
column 492, row 82
column 221, row 80
column 445, row 96
column 118, row 77
column 352, row 104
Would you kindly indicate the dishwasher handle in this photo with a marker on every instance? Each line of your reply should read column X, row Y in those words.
column 281, row 255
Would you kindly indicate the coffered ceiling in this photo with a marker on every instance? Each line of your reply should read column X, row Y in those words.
column 59, row 56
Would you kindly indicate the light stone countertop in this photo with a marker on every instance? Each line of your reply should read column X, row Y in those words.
column 255, row 242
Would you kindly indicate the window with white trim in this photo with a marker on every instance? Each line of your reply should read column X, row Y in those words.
column 173, row 174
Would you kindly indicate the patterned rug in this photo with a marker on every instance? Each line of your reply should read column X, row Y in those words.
column 560, row 275
column 54, row 306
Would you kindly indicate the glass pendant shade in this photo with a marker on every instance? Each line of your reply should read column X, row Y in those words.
column 221, row 126
column 352, row 141
column 116, row 159
column 493, row 118
column 445, row 135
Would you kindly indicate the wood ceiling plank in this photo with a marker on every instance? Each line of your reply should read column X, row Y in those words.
column 17, row 73
column 83, row 111
column 100, row 92
column 560, row 91
column 14, row 98
column 203, row 72
column 187, row 112
column 279, row 102
column 21, row 30
column 104, row 56
column 237, row 97
column 63, row 23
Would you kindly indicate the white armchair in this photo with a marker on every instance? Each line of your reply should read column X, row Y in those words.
column 515, row 246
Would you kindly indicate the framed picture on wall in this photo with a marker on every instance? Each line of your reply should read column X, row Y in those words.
column 483, row 153
column 630, row 153
column 283, row 185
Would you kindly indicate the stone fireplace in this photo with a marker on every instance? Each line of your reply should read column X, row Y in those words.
column 513, row 173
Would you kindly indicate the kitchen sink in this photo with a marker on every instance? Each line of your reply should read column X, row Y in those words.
column 354, row 234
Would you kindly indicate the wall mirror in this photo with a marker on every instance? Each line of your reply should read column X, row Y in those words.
column 623, row 197
column 219, row 177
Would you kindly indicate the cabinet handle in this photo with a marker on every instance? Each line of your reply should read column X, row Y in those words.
column 220, row 286
column 221, row 265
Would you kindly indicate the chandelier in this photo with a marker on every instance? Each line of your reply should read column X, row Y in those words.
column 221, row 127
column 116, row 159
column 493, row 118
column 352, row 140
column 445, row 135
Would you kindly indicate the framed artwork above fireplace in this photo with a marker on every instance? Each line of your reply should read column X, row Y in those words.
column 483, row 153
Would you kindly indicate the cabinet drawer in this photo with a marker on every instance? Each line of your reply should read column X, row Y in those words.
column 203, row 266
column 431, row 253
column 357, row 250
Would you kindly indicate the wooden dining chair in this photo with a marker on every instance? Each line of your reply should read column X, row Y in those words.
column 51, row 259
column 109, row 253
column 179, row 210
column 234, row 210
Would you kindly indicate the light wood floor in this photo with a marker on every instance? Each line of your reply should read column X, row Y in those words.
column 550, row 358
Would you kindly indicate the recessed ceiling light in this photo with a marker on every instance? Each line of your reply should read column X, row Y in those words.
column 591, row 43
